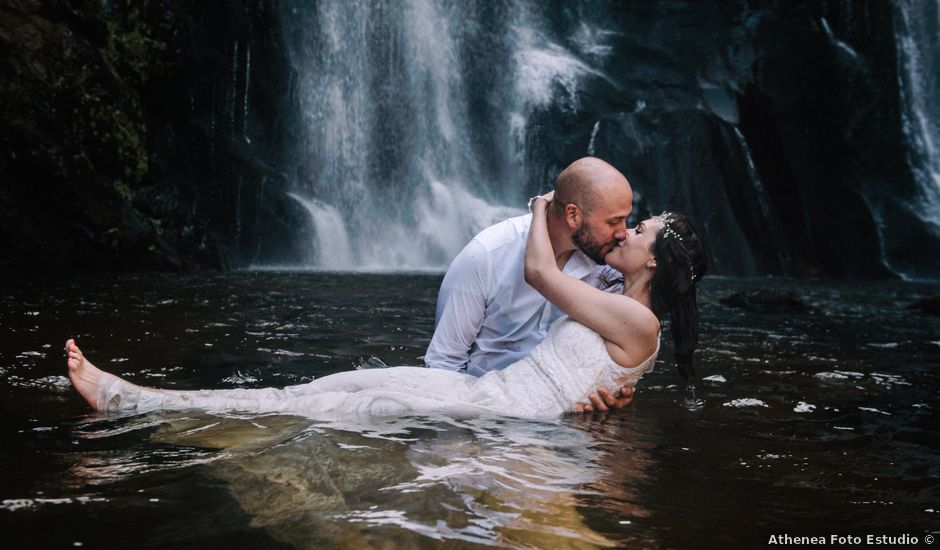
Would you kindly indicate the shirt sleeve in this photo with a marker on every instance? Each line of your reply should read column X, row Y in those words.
column 605, row 278
column 461, row 305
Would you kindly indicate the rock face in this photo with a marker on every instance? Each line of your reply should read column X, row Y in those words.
column 822, row 121
column 165, row 135
column 776, row 127
column 74, row 142
column 126, row 142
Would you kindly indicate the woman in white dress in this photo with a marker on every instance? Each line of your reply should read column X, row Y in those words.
column 607, row 340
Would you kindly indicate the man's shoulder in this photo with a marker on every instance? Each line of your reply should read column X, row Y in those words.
column 606, row 278
column 512, row 231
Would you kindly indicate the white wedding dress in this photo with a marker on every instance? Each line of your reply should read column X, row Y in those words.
column 561, row 371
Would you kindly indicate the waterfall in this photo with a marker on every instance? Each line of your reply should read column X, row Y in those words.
column 416, row 118
column 917, row 30
column 233, row 88
column 841, row 44
column 245, row 94
column 329, row 232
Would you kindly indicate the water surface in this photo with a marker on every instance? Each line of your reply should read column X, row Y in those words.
column 812, row 420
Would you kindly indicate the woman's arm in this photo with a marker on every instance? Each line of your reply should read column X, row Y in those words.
column 619, row 319
column 539, row 254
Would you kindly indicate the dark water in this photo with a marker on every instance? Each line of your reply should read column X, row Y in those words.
column 812, row 422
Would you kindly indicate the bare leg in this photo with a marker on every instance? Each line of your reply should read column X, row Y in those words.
column 85, row 377
column 106, row 392
column 331, row 394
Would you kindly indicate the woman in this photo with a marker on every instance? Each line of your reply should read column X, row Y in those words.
column 608, row 340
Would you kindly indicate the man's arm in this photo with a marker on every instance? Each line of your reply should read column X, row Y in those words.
column 461, row 305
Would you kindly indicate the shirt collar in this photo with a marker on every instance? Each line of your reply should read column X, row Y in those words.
column 579, row 265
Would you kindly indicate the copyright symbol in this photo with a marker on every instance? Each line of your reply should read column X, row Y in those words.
column 928, row 539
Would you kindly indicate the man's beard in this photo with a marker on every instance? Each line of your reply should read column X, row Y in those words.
column 590, row 247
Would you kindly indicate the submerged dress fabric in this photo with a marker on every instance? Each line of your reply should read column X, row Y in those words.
column 561, row 371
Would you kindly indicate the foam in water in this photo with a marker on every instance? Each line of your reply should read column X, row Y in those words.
column 838, row 375
column 26, row 503
column 803, row 407
column 745, row 402
column 447, row 207
column 889, row 379
column 442, row 213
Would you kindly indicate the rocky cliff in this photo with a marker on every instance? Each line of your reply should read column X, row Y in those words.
column 164, row 135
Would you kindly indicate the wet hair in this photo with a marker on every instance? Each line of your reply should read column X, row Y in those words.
column 680, row 264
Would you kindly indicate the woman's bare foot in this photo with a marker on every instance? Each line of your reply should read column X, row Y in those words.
column 85, row 376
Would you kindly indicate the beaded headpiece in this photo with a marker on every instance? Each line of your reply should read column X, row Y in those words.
column 666, row 219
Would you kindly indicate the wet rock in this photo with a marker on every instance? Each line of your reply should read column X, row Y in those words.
column 129, row 144
column 928, row 304
column 154, row 135
column 767, row 301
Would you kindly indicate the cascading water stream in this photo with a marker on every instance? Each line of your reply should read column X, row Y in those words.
column 329, row 231
column 415, row 123
column 423, row 121
column 918, row 41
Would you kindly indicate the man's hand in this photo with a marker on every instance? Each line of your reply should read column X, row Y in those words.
column 602, row 400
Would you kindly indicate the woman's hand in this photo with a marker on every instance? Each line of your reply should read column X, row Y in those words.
column 539, row 255
column 547, row 197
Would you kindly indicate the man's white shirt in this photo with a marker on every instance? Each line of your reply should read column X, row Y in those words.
column 487, row 316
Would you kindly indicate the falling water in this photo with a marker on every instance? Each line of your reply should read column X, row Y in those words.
column 233, row 88
column 416, row 118
column 594, row 130
column 841, row 44
column 245, row 94
column 330, row 232
column 766, row 211
column 918, row 39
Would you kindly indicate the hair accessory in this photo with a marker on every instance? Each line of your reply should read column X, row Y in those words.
column 666, row 219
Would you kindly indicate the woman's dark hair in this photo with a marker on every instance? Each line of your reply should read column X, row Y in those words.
column 680, row 264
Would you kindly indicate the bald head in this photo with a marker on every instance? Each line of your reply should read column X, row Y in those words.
column 588, row 181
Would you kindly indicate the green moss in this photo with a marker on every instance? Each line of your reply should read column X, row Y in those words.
column 97, row 91
column 130, row 49
column 123, row 190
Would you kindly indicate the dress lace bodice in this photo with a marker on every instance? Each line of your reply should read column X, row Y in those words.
column 564, row 369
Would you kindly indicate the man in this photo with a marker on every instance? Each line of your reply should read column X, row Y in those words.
column 488, row 317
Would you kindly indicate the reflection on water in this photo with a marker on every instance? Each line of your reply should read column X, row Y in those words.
column 482, row 480
column 810, row 420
